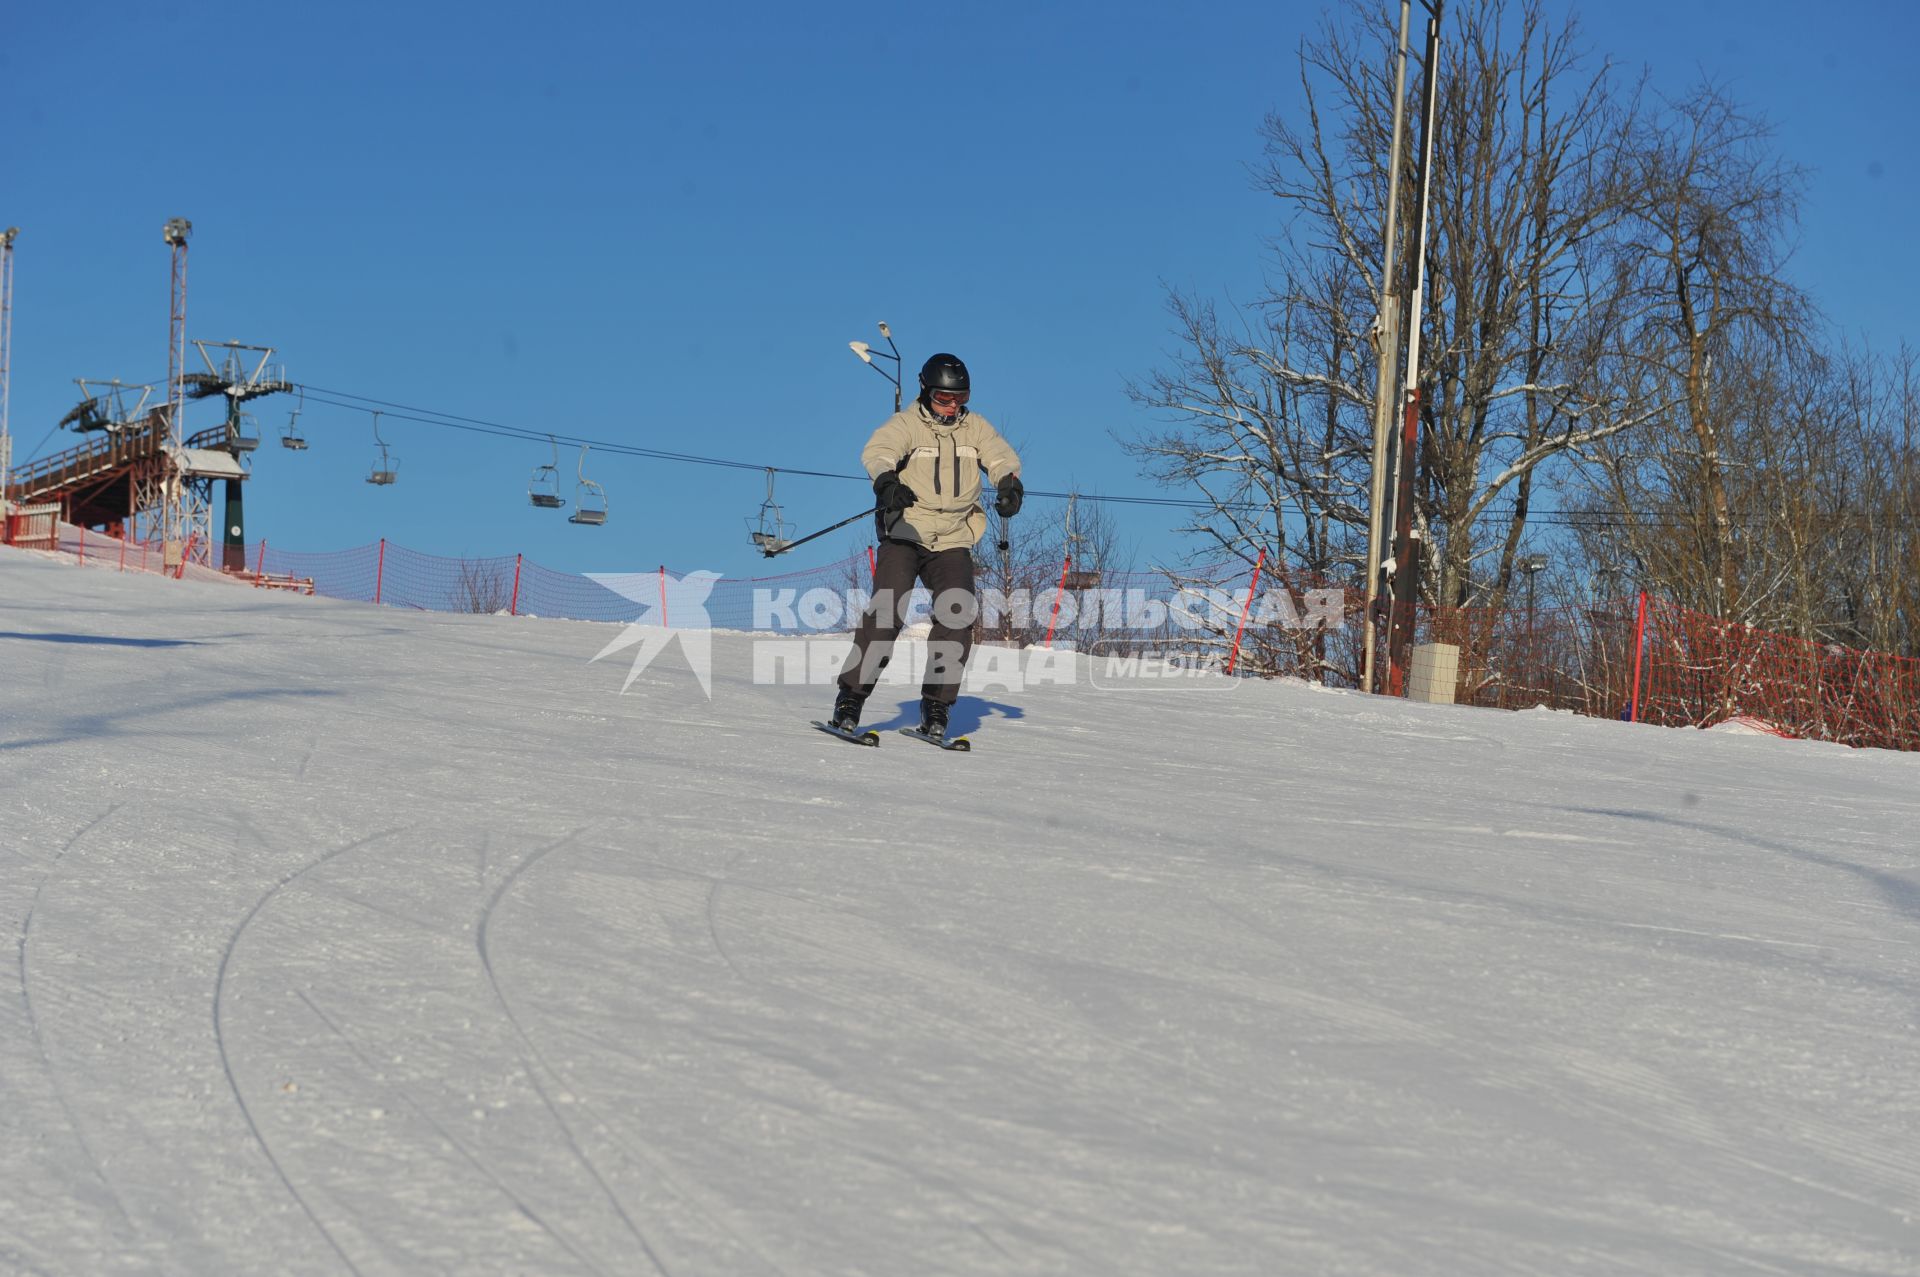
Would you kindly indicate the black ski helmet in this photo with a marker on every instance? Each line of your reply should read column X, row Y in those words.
column 943, row 372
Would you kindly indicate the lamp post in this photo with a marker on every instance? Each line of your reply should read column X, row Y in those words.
column 868, row 354
column 6, row 344
column 1532, row 565
column 172, row 516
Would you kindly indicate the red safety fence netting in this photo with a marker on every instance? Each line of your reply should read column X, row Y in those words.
column 1640, row 658
column 1700, row 670
column 1679, row 668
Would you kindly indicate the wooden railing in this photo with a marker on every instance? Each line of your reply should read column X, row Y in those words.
column 62, row 470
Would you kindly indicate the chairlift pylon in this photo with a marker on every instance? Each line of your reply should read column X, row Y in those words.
column 590, row 500
column 543, row 490
column 771, row 531
column 290, row 436
column 385, row 471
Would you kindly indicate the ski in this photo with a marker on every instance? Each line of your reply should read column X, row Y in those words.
column 957, row 744
column 852, row 738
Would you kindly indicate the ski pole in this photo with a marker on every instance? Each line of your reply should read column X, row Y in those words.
column 784, row 546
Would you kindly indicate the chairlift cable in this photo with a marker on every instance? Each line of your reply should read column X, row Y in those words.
column 477, row 425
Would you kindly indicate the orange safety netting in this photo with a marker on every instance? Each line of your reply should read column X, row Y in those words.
column 1691, row 669
column 1694, row 670
column 1700, row 670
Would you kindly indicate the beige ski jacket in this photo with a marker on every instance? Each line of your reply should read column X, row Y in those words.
column 941, row 461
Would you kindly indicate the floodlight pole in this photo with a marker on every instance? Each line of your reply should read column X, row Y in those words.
column 868, row 354
column 6, row 358
column 1387, row 336
column 172, row 532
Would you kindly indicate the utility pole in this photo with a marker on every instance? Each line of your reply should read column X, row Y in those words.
column 6, row 359
column 1406, row 571
column 1387, row 338
column 171, row 518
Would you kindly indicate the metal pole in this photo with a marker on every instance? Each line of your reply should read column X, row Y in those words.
column 1389, row 339
column 1234, row 655
column 783, row 547
column 1006, row 580
column 1066, row 565
column 171, row 518
column 1533, row 654
column 1406, row 577
column 1639, row 648
column 6, row 358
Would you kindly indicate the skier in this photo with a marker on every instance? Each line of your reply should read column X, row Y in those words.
column 925, row 462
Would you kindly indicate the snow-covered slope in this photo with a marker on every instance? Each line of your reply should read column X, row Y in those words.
column 353, row 940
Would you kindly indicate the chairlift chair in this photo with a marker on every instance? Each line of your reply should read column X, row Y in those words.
column 590, row 501
column 244, row 434
column 543, row 490
column 290, row 436
column 386, row 470
column 1083, row 579
column 771, row 531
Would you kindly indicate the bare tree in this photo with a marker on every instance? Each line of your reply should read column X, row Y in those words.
column 1272, row 408
column 1708, row 331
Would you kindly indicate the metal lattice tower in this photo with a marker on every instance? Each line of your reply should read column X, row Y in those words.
column 6, row 357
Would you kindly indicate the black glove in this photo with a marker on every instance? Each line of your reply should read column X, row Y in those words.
column 1011, row 495
column 890, row 495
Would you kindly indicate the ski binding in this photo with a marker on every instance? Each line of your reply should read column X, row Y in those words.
column 957, row 744
column 852, row 738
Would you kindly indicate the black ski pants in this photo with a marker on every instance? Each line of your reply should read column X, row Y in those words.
column 948, row 576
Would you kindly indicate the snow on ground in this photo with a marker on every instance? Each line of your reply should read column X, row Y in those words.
column 358, row 940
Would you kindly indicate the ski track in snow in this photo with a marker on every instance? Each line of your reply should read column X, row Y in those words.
column 453, row 1141
column 463, row 962
column 226, row 1059
column 54, row 1076
column 536, row 1063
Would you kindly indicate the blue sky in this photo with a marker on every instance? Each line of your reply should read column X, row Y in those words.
column 660, row 226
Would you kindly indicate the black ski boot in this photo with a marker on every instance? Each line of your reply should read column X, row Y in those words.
column 933, row 718
column 846, row 711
